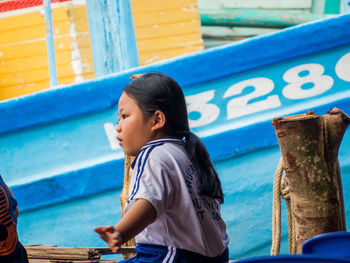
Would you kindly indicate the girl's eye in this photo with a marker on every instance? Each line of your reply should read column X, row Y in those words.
column 123, row 116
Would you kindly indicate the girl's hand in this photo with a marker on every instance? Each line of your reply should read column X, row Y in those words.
column 139, row 216
column 111, row 236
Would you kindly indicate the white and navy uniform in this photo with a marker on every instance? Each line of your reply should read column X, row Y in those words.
column 188, row 226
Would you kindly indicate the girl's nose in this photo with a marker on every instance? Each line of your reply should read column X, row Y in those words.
column 118, row 127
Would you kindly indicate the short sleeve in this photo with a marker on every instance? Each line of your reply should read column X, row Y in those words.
column 155, row 184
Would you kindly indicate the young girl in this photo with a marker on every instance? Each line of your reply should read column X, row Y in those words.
column 175, row 196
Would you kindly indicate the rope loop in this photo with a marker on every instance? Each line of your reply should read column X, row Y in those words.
column 281, row 190
column 284, row 188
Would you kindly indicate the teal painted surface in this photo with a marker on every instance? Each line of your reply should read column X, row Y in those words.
column 112, row 35
column 256, row 18
column 332, row 6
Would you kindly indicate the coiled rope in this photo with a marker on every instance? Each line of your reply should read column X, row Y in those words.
column 281, row 189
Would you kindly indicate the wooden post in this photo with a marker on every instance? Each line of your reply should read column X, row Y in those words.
column 124, row 197
column 112, row 34
column 309, row 144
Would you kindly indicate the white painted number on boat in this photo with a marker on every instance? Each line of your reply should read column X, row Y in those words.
column 111, row 134
column 303, row 81
column 199, row 103
column 256, row 95
column 313, row 76
column 342, row 68
column 239, row 106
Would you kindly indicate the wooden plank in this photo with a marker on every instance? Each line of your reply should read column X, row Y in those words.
column 209, row 4
column 267, row 4
column 15, row 22
column 34, row 260
column 163, row 17
column 255, row 18
column 154, row 56
column 210, row 43
column 7, row 92
column 72, row 78
column 165, row 30
column 256, row 4
column 36, row 75
column 23, row 64
column 176, row 41
column 234, row 32
column 144, row 6
column 18, row 50
column 34, row 18
column 38, row 47
column 23, row 34
column 28, row 63
column 68, row 253
column 49, row 252
column 37, row 32
column 24, row 77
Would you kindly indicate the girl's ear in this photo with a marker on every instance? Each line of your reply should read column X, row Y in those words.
column 158, row 120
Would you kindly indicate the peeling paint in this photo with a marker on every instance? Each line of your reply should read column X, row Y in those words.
column 76, row 62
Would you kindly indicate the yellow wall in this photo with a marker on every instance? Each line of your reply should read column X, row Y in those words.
column 163, row 29
column 166, row 29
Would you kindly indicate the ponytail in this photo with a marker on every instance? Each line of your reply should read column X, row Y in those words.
column 209, row 179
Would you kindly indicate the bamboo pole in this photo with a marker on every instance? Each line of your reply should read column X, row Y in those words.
column 123, row 199
column 309, row 144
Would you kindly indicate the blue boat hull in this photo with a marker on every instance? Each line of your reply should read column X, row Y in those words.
column 59, row 155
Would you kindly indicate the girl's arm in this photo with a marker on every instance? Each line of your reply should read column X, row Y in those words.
column 139, row 216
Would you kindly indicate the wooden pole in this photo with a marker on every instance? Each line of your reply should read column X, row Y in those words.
column 123, row 199
column 256, row 18
column 309, row 144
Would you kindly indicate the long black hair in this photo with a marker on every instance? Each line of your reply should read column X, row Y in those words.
column 156, row 91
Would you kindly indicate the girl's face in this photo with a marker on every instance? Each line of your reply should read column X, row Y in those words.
column 134, row 128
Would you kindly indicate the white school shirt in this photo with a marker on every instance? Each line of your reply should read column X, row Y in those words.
column 164, row 176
